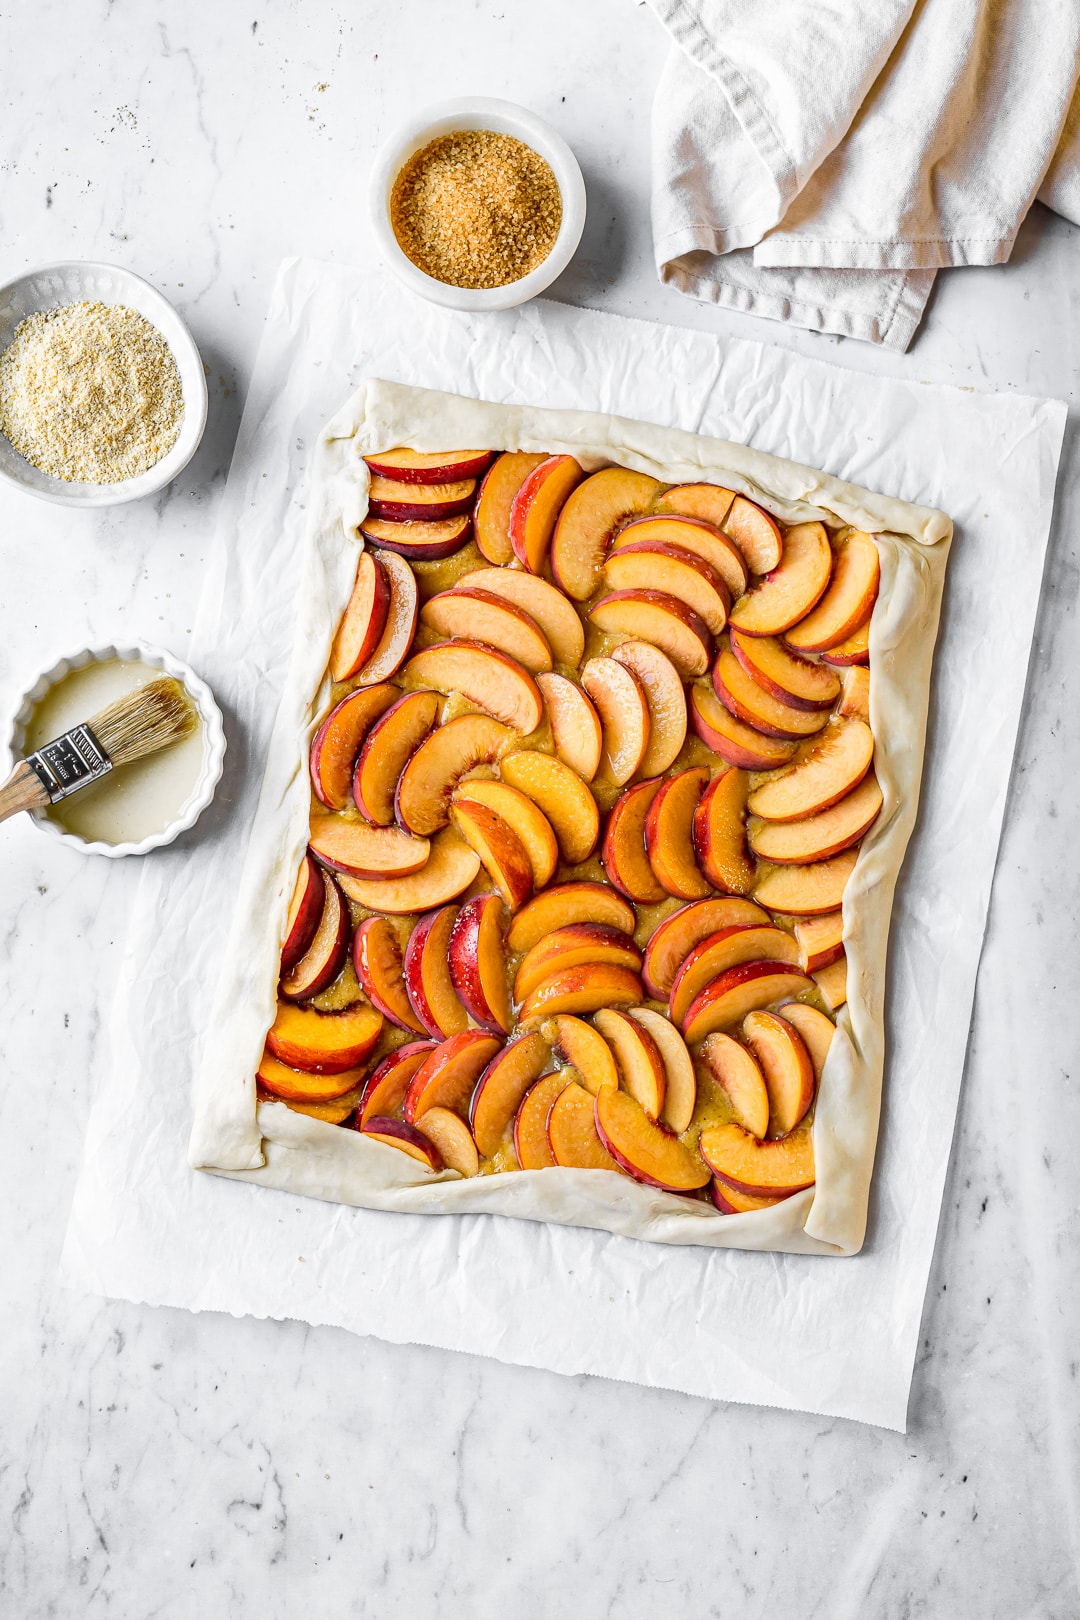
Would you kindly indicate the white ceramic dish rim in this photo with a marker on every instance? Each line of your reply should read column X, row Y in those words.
column 107, row 281
column 213, row 741
column 478, row 112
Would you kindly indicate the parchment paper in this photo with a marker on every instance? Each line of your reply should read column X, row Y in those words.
column 793, row 1331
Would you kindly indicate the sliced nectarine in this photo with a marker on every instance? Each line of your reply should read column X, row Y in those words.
column 567, row 903
column 790, row 590
column 588, row 520
column 379, row 968
column 728, row 948
column 709, row 501
column 427, row 783
column 849, row 600
column 674, row 938
column 450, row 868
column 821, row 940
column 421, row 541
column 854, row 651
column 400, row 627
column 832, row 982
column 491, row 519
column 815, row 1028
column 561, row 795
column 571, row 1128
column 501, row 1087
column 453, row 1139
column 759, row 1168
column 385, row 1088
column 427, row 975
column 535, row 509
column 855, row 702
column 478, row 965
column 541, row 601
column 785, row 1062
column 329, row 1042
column 641, row 1067
column 575, row 724
column 826, row 770
column 735, row 742
column 305, row 1085
column 428, row 467
column 585, row 1049
column 669, row 834
column 403, row 503
column 337, row 742
column 646, row 1151
column 756, row 534
column 525, row 819
column 703, row 539
column 738, row 1074
column 531, row 1143
column 798, row 682
column 574, row 946
column 363, row 621
column 625, row 858
column 624, row 716
column 750, row 702
column 467, row 611
column 396, row 1133
column 651, row 564
column 816, row 838
column 363, row 851
column 740, row 990
column 680, row 1091
column 583, row 990
column 500, row 849
column 305, row 909
column 660, row 619
column 663, row 689
column 325, row 956
column 809, row 890
column 719, row 833
column 730, row 1202
column 494, row 682
column 390, row 745
column 446, row 1077
column 334, row 1112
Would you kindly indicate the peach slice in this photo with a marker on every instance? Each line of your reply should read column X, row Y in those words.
column 663, row 689
column 530, row 1124
column 790, row 590
column 798, row 682
column 571, row 1128
column 446, row 1077
column 501, row 1087
column 728, row 948
column 386, row 1087
column 397, row 635
column 426, row 785
column 421, row 541
column 625, row 858
column 809, row 890
column 738, row 1074
column 785, row 1062
column 304, row 1085
column 848, row 602
column 363, row 621
column 740, row 990
column 719, row 833
column 735, row 742
column 535, row 509
column 397, row 1133
column 826, row 772
column 363, row 851
column 427, row 975
column 380, row 971
column 585, row 1049
column 646, row 1151
column 821, row 940
column 453, row 1140
column 761, row 1169
column 329, row 1042
column 325, row 956
column 854, row 651
column 491, row 519
column 388, row 747
column 582, row 990
column 469, row 612
column 750, row 702
column 669, row 834
column 756, row 534
column 424, row 467
column 478, row 967
column 701, row 539
column 832, row 982
column 305, row 909
column 574, row 946
column 561, row 795
column 709, row 501
column 525, row 819
column 674, row 939
column 586, row 523
column 490, row 679
column 654, row 565
column 450, row 868
column 334, row 1112
column 624, row 716
column 815, row 1028
column 404, row 502
column 499, row 848
column 641, row 1067
column 816, row 838
column 730, row 1202
column 567, row 903
column 660, row 619
column 855, row 702
column 541, row 601
column 680, row 1092
column 575, row 724
column 338, row 740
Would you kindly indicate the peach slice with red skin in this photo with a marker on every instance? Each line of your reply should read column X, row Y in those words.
column 388, row 747
column 641, row 1067
column 500, row 850
column 363, row 621
column 816, row 1029
column 785, row 1062
column 380, row 971
column 561, row 795
column 817, row 838
column 531, row 1143
column 645, row 1150
column 426, row 785
column 304, row 1085
column 575, row 724
column 338, row 740
column 404, row 503
column 386, row 1087
column 826, row 772
column 820, row 939
column 712, row 502
column 624, row 716
column 738, row 1074
column 700, row 538
column 749, row 702
column 680, row 1091
column 428, row 467
column 493, row 681
column 467, row 611
column 305, row 909
column 762, row 1169
column 740, row 990
column 446, row 1077
column 848, row 602
column 662, row 620
column 791, row 589
column 655, row 565
column 326, row 1042
column 477, row 956
column 334, row 1112
column 663, row 689
column 669, row 834
column 756, row 534
column 427, row 975
column 719, row 833
column 567, row 903
column 855, row 651
column 735, row 742
column 524, row 818
column 491, row 518
column 363, row 851
column 453, row 1140
column 544, row 604
column 574, row 946
column 325, row 956
column 587, row 522
column 625, row 858
column 730, row 1202
column 582, row 990
column 797, row 682
column 422, row 541
column 585, row 1049
column 832, row 982
column 673, row 940
column 535, row 509
column 806, row 890
column 728, row 948
column 500, row 1089
column 450, row 869
column 572, row 1135
column 400, row 627
column 397, row 1133
column 855, row 701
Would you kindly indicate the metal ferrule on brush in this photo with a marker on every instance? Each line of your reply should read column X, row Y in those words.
column 73, row 761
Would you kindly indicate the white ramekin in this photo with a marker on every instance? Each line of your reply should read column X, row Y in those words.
column 213, row 741
column 76, row 281
column 506, row 118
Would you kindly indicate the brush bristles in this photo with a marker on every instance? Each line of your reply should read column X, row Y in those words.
column 144, row 721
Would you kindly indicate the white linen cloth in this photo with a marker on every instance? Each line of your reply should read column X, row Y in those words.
column 817, row 161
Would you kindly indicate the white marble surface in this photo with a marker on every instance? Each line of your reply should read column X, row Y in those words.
column 155, row 1463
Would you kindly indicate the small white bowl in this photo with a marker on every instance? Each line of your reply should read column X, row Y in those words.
column 506, row 118
column 76, row 281
column 213, row 742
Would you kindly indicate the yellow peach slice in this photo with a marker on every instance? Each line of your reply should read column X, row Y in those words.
column 645, row 1150
column 377, row 959
column 334, row 1112
column 806, row 890
column 389, row 746
column 531, row 1143
column 499, row 848
column 491, row 518
column 478, row 968
column 363, row 621
column 453, row 1139
column 832, row 982
column 719, row 833
column 654, row 565
column 738, row 1074
column 329, row 1042
column 427, row 975
column 624, row 716
column 541, row 601
column 848, row 602
column 785, row 1062
column 574, row 946
column 467, row 612
column 674, row 939
column 750, row 703
column 641, row 1067
column 526, row 819
column 826, row 770
column 709, row 501
column 337, row 743
column 855, row 701
column 740, row 990
column 587, row 522
column 396, row 1133
column 396, row 639
column 566, row 903
column 735, row 742
column 446, row 1077
column 385, row 1089
column 791, row 589
column 363, row 851
column 571, row 1128
column 425, row 787
column 821, row 940
column 653, row 616
column 680, row 1092
column 493, row 681
column 625, row 858
column 536, row 506
column 798, row 682
column 575, row 724
column 451, row 867
column 419, row 539
column 585, row 1049
column 428, row 467
column 816, row 838
column 854, row 651
column 692, row 533
column 304, row 1085
column 501, row 1087
column 761, row 1169
column 728, row 948
column 669, row 834
column 756, row 534
column 730, row 1202
column 816, row 1029
column 663, row 689
column 402, row 502
column 561, row 795
column 582, row 990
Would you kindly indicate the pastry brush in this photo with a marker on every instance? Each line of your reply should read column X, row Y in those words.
column 139, row 723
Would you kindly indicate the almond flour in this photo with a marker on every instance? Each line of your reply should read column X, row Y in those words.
column 90, row 393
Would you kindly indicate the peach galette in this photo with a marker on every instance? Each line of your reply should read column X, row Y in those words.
column 591, row 780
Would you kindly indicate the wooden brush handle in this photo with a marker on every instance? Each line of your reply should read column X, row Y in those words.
column 23, row 790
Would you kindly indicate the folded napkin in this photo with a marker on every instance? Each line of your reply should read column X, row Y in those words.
column 817, row 161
